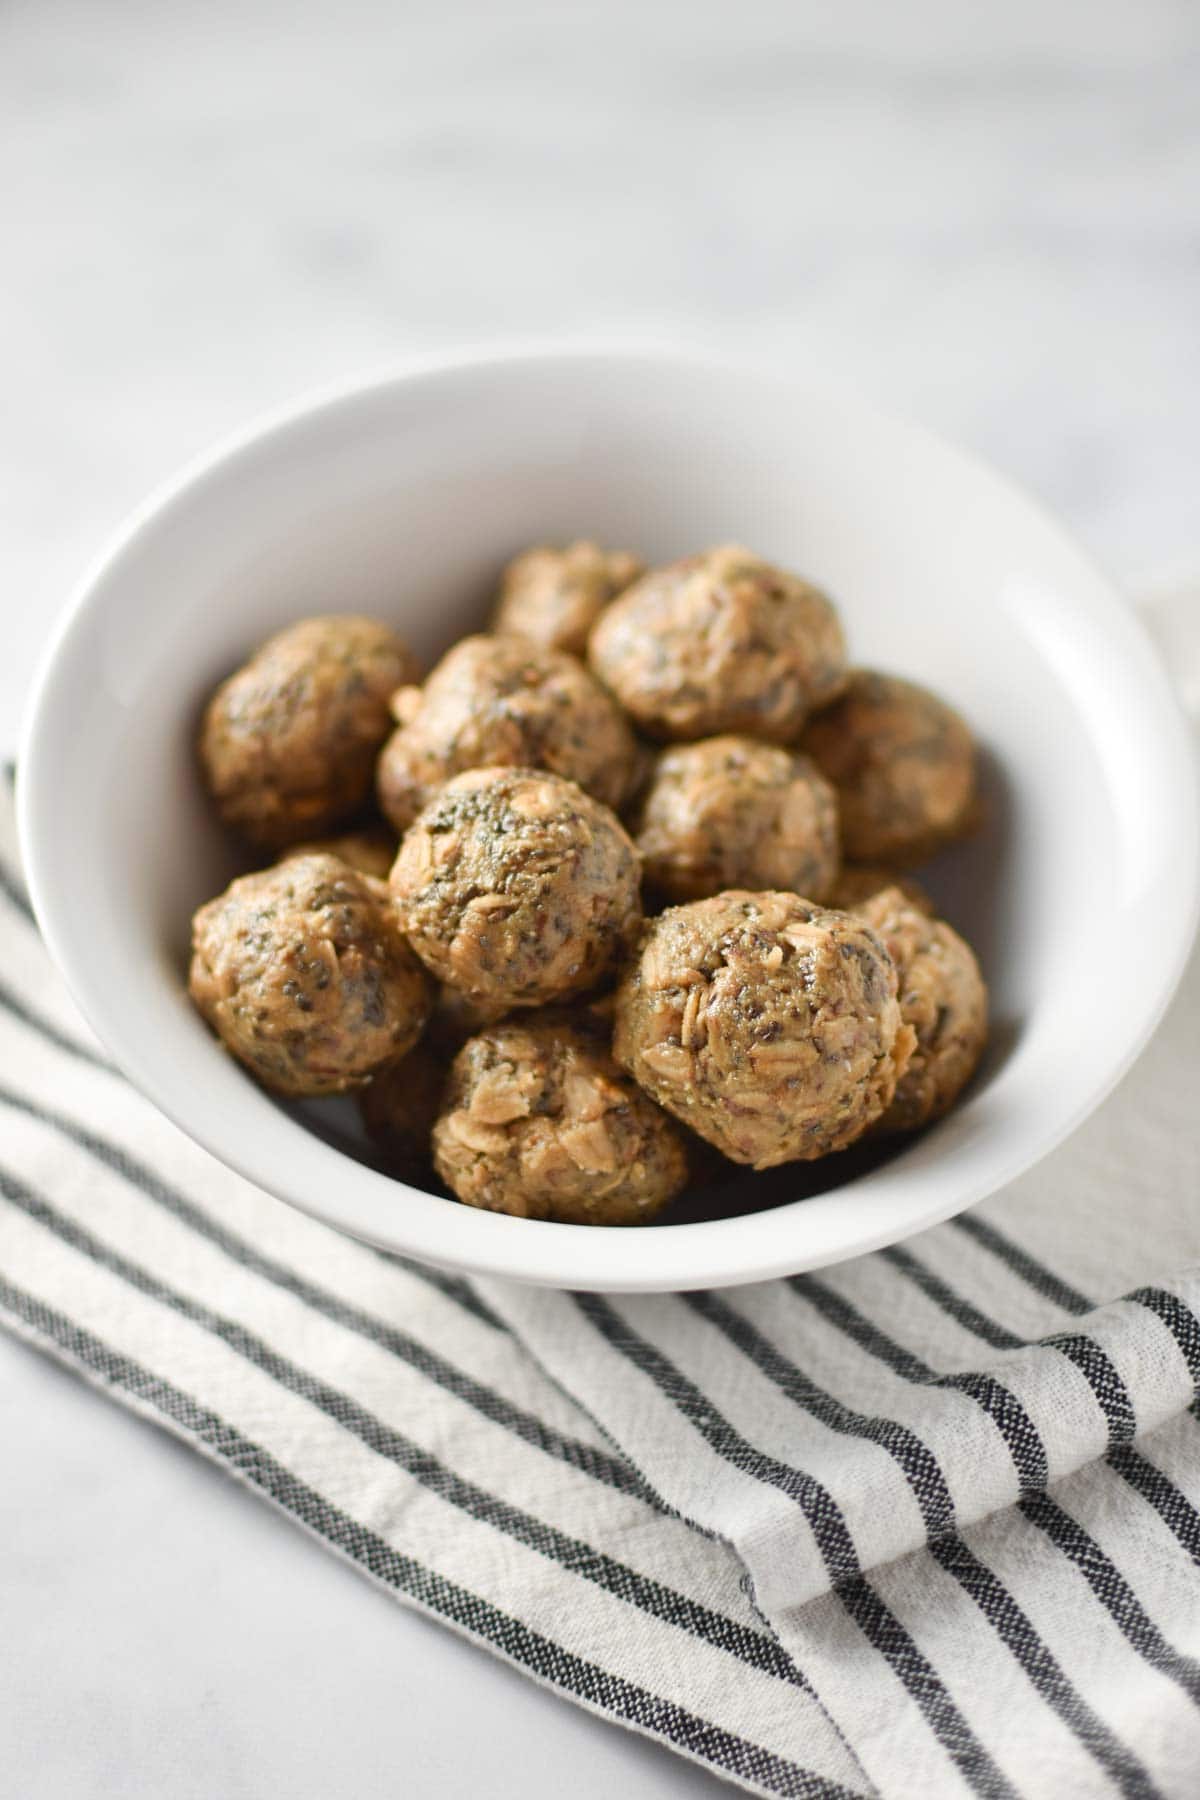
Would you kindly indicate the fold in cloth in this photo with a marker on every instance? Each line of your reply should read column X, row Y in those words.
column 925, row 1522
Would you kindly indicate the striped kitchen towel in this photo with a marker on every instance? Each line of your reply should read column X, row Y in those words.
column 927, row 1523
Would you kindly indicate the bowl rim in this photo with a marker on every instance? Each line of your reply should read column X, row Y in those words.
column 692, row 1255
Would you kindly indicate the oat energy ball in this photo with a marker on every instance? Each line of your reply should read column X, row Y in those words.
column 370, row 852
column 903, row 764
column 399, row 1106
column 303, row 972
column 720, row 642
column 288, row 743
column 768, row 1025
column 732, row 812
column 504, row 700
column 943, row 999
column 516, row 887
column 859, row 882
column 539, row 1121
column 554, row 597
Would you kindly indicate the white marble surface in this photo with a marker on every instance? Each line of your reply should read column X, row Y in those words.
column 987, row 216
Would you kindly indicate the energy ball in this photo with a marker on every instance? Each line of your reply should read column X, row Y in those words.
column 720, row 642
column 370, row 852
column 768, row 1025
column 399, row 1106
column 859, row 882
column 554, row 597
column 903, row 764
column 304, row 973
column 516, row 887
column 539, row 1121
column 288, row 743
column 730, row 812
column 495, row 701
column 943, row 999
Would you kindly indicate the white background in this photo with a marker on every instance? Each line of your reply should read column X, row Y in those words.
column 988, row 216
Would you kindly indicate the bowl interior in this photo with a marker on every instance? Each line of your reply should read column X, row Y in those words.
column 404, row 500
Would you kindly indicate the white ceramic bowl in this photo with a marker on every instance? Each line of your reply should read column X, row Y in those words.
column 403, row 498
